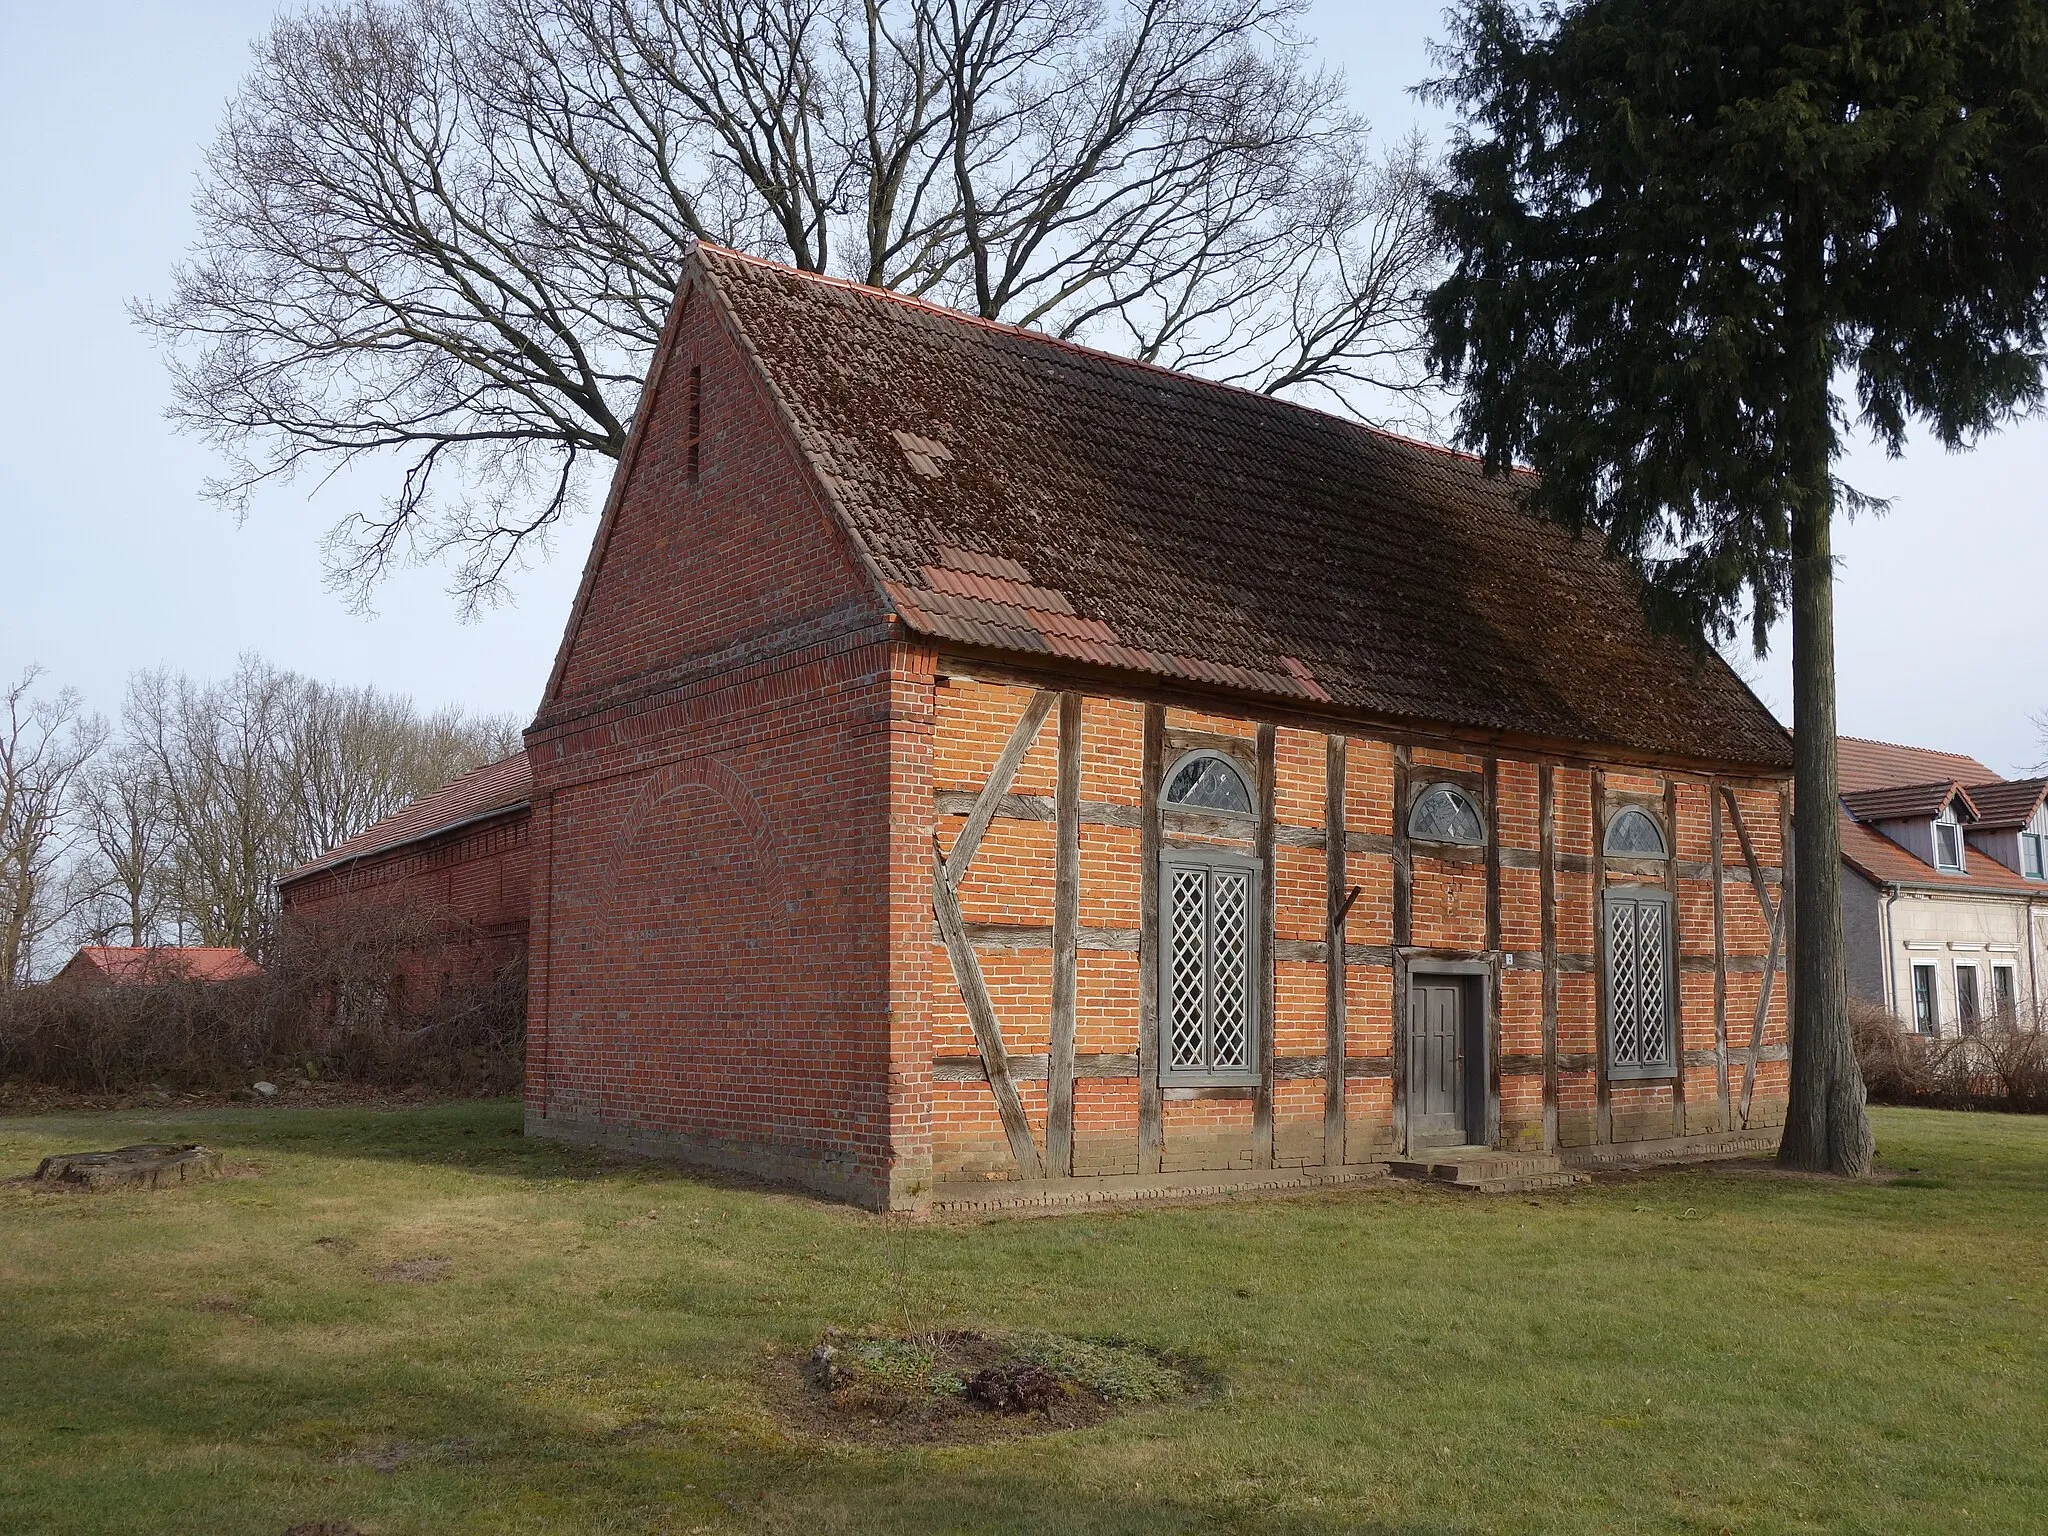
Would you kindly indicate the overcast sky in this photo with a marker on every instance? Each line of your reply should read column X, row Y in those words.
column 112, row 560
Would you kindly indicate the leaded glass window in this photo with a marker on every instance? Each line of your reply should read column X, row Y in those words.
column 1208, row 781
column 1208, row 960
column 1633, row 835
column 1444, row 814
column 1639, row 984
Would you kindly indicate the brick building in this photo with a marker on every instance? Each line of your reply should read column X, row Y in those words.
column 977, row 766
column 453, row 863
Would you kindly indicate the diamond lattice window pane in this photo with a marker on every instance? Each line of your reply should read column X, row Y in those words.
column 1445, row 815
column 1185, row 966
column 1626, row 1003
column 1230, row 978
column 1209, row 783
column 1632, row 835
column 1650, row 987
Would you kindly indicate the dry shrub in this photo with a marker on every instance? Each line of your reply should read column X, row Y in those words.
column 389, row 996
column 2002, row 1065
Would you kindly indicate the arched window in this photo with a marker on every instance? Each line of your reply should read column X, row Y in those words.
column 1208, row 781
column 1633, row 835
column 1444, row 814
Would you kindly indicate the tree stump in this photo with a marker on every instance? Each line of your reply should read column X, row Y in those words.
column 146, row 1165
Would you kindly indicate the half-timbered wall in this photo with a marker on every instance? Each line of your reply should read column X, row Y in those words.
column 1522, row 913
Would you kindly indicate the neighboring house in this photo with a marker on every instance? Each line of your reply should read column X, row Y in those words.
column 976, row 758
column 456, row 858
column 1945, row 886
column 112, row 965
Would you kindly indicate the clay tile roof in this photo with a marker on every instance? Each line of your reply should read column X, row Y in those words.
column 132, row 966
column 2007, row 802
column 491, row 790
column 1015, row 493
column 1907, row 801
column 1885, row 765
column 1878, row 858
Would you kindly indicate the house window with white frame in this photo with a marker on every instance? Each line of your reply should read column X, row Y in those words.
column 1948, row 842
column 1924, row 1015
column 1969, row 1001
column 2034, row 847
column 2005, row 998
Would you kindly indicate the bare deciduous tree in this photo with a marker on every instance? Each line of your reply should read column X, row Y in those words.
column 127, row 836
column 46, row 741
column 266, row 769
column 449, row 229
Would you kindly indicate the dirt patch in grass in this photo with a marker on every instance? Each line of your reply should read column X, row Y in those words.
column 424, row 1270
column 957, row 1386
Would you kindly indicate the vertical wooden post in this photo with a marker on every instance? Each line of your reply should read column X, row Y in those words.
column 1491, row 1034
column 1262, row 850
column 1404, row 935
column 1546, row 813
column 1719, row 868
column 1678, row 1126
column 1151, row 1126
column 1337, row 870
column 1066, row 936
column 1787, row 885
column 1603, row 1131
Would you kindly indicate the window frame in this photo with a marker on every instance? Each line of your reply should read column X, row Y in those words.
column 1209, row 1076
column 1969, row 1021
column 1947, row 820
column 1246, row 781
column 2005, row 1010
column 1621, row 814
column 1930, row 1023
column 2033, row 856
column 1666, row 1067
column 1465, row 796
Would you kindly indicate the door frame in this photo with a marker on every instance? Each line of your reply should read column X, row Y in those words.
column 1481, row 1044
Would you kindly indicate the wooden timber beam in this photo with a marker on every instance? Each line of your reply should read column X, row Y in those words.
column 1066, row 928
column 1151, row 1112
column 1546, row 816
column 947, row 870
column 1337, row 872
column 1775, row 914
column 1266, row 986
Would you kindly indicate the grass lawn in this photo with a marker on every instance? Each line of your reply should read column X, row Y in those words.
column 1683, row 1352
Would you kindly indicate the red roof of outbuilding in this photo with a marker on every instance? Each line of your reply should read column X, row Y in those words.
column 152, row 965
column 1014, row 493
column 492, row 790
column 1885, row 765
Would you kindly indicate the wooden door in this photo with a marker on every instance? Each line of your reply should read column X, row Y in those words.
column 1436, row 1066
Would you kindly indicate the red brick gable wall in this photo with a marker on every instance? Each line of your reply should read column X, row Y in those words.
column 706, row 571
column 715, row 790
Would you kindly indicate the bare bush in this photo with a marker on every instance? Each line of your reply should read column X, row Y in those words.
column 2001, row 1065
column 358, row 999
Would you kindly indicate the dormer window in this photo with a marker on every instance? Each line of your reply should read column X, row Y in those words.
column 2031, row 851
column 1948, row 843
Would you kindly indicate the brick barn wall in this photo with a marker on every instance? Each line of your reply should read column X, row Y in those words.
column 478, row 878
column 718, row 774
column 1006, row 899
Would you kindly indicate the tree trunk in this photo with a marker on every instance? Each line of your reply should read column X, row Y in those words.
column 1825, row 1127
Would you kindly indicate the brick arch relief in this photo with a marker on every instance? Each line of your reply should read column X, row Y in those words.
column 668, row 936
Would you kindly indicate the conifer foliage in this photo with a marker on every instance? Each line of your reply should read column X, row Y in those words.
column 1695, row 245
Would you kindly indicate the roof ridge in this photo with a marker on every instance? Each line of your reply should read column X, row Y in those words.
column 1010, row 328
